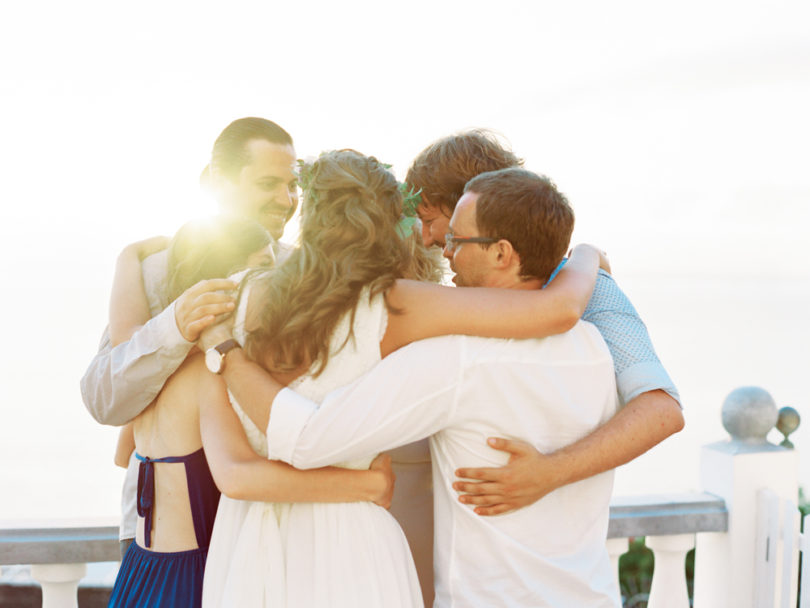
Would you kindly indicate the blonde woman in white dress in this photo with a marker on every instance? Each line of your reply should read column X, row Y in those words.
column 343, row 300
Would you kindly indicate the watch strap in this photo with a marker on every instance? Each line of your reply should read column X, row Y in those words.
column 223, row 347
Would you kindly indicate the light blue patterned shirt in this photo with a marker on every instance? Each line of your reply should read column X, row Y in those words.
column 638, row 369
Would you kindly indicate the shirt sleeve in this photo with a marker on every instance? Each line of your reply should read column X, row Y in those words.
column 410, row 395
column 638, row 369
column 120, row 382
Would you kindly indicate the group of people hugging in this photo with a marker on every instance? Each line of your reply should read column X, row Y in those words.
column 324, row 424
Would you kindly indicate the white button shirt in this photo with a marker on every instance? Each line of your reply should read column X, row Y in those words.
column 460, row 390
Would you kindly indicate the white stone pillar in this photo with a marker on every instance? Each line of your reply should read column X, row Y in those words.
column 668, row 588
column 60, row 583
column 736, row 470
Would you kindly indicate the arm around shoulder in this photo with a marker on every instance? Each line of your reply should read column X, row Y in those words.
column 432, row 310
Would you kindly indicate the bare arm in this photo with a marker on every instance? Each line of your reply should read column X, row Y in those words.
column 125, row 445
column 433, row 310
column 129, row 307
column 242, row 474
column 251, row 385
column 643, row 423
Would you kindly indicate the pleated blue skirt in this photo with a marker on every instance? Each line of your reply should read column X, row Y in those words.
column 149, row 579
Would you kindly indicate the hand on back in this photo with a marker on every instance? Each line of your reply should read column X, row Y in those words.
column 525, row 479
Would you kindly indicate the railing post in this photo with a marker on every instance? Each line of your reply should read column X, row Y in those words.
column 736, row 470
column 60, row 583
column 668, row 588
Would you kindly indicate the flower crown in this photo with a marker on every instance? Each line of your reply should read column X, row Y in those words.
column 411, row 197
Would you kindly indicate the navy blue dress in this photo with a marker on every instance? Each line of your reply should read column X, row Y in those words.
column 153, row 579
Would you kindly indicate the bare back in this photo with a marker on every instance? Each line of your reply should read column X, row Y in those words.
column 170, row 426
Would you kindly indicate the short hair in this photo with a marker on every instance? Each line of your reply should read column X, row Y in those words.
column 527, row 210
column 441, row 170
column 230, row 152
column 212, row 248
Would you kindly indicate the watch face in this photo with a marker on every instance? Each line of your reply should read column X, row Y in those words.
column 213, row 360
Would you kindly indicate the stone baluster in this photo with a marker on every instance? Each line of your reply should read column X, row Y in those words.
column 59, row 582
column 736, row 470
column 669, row 588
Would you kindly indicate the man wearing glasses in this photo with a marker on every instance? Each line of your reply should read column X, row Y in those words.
column 650, row 409
column 551, row 392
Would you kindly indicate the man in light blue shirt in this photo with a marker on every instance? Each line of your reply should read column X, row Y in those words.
column 651, row 410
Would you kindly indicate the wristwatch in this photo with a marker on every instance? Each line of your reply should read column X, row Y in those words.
column 215, row 357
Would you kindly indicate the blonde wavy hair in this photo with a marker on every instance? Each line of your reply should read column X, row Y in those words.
column 348, row 242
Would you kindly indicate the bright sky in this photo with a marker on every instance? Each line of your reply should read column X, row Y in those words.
column 679, row 131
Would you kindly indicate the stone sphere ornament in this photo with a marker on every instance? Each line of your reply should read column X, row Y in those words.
column 749, row 413
column 787, row 423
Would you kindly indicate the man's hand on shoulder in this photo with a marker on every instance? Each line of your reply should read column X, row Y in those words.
column 528, row 476
column 199, row 306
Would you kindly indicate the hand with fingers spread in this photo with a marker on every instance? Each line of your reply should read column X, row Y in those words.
column 382, row 464
column 199, row 305
column 523, row 481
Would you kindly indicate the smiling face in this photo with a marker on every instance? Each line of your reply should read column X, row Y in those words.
column 266, row 188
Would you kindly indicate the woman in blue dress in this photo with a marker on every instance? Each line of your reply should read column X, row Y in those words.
column 177, row 496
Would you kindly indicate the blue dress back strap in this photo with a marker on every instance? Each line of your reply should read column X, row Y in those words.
column 203, row 494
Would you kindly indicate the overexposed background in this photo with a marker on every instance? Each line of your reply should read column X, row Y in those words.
column 678, row 130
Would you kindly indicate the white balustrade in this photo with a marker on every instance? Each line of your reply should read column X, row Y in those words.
column 58, row 551
column 736, row 470
column 669, row 523
column 804, row 547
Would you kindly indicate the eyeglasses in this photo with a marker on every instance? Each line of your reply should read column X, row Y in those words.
column 451, row 241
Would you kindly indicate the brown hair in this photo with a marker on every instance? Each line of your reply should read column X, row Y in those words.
column 211, row 249
column 442, row 169
column 527, row 210
column 348, row 242
column 230, row 152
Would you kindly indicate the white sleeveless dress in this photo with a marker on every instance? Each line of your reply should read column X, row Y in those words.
column 312, row 555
